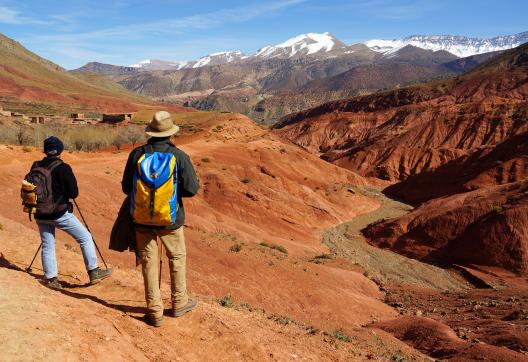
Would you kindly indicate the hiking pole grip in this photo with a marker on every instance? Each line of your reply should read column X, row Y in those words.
column 87, row 228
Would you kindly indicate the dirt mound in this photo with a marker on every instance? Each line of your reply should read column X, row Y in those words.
column 440, row 341
column 488, row 226
column 404, row 132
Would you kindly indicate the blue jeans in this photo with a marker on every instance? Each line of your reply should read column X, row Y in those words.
column 72, row 226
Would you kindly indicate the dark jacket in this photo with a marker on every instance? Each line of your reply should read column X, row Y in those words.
column 64, row 186
column 123, row 236
column 188, row 184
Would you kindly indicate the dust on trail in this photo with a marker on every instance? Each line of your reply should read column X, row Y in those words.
column 385, row 266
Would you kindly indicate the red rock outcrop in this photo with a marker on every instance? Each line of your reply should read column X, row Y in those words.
column 440, row 341
column 488, row 226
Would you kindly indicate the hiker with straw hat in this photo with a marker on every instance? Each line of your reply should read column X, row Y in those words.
column 156, row 178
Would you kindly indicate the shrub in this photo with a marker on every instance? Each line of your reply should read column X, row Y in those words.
column 245, row 180
column 206, row 159
column 22, row 136
column 280, row 248
column 134, row 135
column 1, row 227
column 318, row 259
column 339, row 334
column 226, row 301
column 235, row 248
column 27, row 149
column 118, row 141
column 282, row 319
column 398, row 358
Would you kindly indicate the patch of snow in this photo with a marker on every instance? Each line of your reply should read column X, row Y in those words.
column 310, row 43
column 459, row 45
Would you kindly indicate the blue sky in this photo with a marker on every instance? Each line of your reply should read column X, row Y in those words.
column 126, row 31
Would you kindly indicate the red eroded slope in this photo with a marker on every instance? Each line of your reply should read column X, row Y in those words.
column 396, row 134
column 487, row 166
column 488, row 226
column 26, row 78
column 255, row 189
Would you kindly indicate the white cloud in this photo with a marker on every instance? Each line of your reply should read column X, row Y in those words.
column 13, row 17
column 177, row 25
column 119, row 41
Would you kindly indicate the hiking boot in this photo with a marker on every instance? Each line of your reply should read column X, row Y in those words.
column 178, row 312
column 153, row 321
column 53, row 283
column 98, row 274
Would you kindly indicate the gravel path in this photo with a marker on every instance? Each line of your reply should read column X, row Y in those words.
column 385, row 266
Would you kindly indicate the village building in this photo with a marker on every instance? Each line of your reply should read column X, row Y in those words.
column 37, row 119
column 78, row 121
column 117, row 118
column 77, row 115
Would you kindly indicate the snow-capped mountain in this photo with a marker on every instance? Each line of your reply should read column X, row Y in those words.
column 460, row 46
column 304, row 44
column 211, row 59
column 326, row 45
column 155, row 64
column 218, row 58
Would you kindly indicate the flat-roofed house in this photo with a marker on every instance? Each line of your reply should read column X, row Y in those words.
column 117, row 118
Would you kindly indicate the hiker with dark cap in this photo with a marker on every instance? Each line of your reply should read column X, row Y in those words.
column 157, row 176
column 57, row 213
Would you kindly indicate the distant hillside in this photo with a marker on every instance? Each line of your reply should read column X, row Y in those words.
column 27, row 80
column 272, row 88
column 301, row 72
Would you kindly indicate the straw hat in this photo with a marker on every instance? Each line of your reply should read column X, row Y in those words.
column 161, row 125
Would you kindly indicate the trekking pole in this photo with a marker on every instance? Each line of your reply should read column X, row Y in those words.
column 87, row 228
column 161, row 261
column 28, row 269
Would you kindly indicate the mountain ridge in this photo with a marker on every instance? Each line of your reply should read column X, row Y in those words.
column 326, row 44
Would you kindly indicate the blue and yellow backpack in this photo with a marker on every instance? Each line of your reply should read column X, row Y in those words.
column 154, row 199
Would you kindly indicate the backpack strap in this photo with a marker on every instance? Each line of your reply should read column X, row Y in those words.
column 52, row 166
column 148, row 149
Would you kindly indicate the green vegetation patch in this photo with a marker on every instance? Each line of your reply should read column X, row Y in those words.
column 226, row 301
column 235, row 248
column 319, row 259
column 277, row 247
column 340, row 335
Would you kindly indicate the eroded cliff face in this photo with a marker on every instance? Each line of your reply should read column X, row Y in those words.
column 405, row 132
column 484, row 227
column 460, row 146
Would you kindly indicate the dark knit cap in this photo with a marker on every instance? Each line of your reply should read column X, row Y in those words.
column 53, row 146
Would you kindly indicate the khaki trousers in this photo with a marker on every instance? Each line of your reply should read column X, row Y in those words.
column 174, row 243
